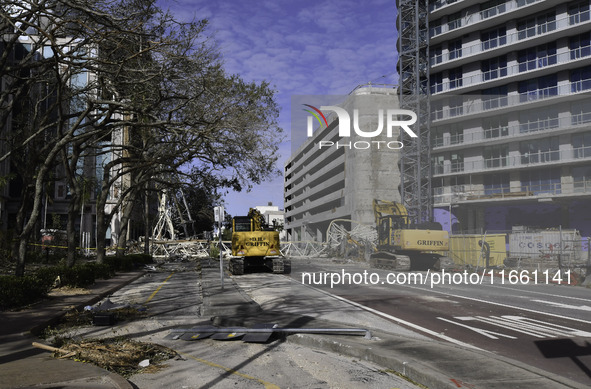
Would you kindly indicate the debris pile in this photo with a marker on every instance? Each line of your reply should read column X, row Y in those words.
column 122, row 356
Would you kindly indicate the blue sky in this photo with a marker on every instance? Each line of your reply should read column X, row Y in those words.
column 325, row 47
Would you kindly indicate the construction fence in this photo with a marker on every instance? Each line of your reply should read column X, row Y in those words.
column 524, row 249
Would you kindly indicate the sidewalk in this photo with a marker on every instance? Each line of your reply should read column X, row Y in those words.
column 434, row 364
column 23, row 366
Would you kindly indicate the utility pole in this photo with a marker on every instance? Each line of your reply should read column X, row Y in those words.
column 219, row 215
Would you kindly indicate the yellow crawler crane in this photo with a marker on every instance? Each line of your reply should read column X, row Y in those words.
column 254, row 243
column 404, row 246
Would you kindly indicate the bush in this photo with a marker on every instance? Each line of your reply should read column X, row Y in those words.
column 128, row 262
column 20, row 291
column 102, row 271
column 142, row 259
column 78, row 276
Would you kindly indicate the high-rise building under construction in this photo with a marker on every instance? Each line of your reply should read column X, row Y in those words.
column 508, row 114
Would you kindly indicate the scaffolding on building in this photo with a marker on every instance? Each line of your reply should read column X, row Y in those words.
column 414, row 95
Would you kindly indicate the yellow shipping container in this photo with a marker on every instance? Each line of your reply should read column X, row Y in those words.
column 466, row 250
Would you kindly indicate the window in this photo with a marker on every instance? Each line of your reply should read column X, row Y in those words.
column 538, row 88
column 536, row 25
column 456, row 134
column 538, row 120
column 580, row 45
column 436, row 54
column 495, row 127
column 457, row 162
column 454, row 21
column 437, row 136
column 435, row 27
column 582, row 178
column 437, row 163
column 494, row 68
column 580, row 79
column 496, row 156
column 492, row 8
column 493, row 38
column 436, row 110
column 22, row 50
column 580, row 112
column 455, row 49
column 456, row 106
column 582, row 145
column 539, row 150
column 578, row 12
column 496, row 183
column 455, row 78
column 541, row 181
column 495, row 97
column 521, row 3
column 436, row 81
column 537, row 57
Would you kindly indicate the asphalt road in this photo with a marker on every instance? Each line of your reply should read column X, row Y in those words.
column 172, row 296
column 542, row 324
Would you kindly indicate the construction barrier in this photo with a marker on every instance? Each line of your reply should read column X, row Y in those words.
column 470, row 249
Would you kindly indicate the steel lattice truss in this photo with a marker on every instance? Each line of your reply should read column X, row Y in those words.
column 359, row 233
column 413, row 69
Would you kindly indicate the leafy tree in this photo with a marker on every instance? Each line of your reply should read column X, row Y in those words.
column 124, row 83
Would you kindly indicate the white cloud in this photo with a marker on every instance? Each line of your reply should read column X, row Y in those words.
column 302, row 48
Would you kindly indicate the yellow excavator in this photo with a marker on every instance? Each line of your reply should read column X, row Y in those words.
column 404, row 246
column 254, row 244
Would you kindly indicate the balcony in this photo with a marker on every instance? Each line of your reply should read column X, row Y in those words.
column 466, row 52
column 561, row 124
column 515, row 101
column 478, row 17
column 545, row 62
column 550, row 157
column 467, row 193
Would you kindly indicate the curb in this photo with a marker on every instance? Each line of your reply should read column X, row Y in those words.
column 37, row 329
column 425, row 374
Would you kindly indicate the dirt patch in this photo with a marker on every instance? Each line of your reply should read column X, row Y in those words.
column 120, row 355
column 68, row 291
column 74, row 319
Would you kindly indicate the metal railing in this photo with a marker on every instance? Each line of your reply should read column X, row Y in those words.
column 509, row 71
column 480, row 47
column 509, row 6
column 464, row 193
column 470, row 106
column 512, row 131
column 514, row 161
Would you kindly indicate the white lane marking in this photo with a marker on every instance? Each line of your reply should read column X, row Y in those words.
column 498, row 304
column 487, row 333
column 390, row 317
column 560, row 305
column 524, row 325
column 536, row 292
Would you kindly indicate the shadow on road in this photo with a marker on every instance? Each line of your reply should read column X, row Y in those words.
column 565, row 348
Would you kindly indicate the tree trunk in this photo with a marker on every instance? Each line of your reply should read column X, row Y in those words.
column 73, row 211
column 20, row 219
column 101, row 233
column 125, row 217
column 148, row 233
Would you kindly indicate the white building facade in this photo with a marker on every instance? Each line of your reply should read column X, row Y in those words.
column 510, row 113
